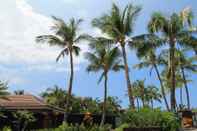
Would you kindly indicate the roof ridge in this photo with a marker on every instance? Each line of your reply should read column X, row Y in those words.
column 39, row 100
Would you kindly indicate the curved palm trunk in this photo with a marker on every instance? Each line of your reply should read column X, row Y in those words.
column 186, row 87
column 181, row 96
column 162, row 87
column 173, row 76
column 129, row 88
column 105, row 101
column 70, row 86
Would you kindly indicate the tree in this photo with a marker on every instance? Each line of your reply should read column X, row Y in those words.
column 140, row 91
column 19, row 92
column 24, row 118
column 186, row 64
column 3, row 90
column 153, row 94
column 102, row 59
column 146, row 93
column 55, row 96
column 175, row 30
column 152, row 61
column 118, row 25
column 66, row 36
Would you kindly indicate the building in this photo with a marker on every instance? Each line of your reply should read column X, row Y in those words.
column 47, row 116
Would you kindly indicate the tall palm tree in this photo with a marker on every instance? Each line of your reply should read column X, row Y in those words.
column 152, row 61
column 118, row 26
column 65, row 36
column 175, row 31
column 186, row 64
column 104, row 60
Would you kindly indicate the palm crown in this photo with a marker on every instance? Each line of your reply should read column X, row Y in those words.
column 65, row 36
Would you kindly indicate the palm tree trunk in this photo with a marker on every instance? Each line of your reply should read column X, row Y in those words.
column 181, row 96
column 186, row 88
column 129, row 88
column 173, row 76
column 152, row 104
column 105, row 101
column 70, row 86
column 138, row 104
column 162, row 87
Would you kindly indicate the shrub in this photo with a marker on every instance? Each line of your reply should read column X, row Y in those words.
column 6, row 128
column 151, row 118
column 66, row 127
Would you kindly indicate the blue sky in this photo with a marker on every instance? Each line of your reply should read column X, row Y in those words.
column 32, row 67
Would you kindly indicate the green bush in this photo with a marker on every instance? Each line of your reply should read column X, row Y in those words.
column 151, row 118
column 6, row 128
column 66, row 127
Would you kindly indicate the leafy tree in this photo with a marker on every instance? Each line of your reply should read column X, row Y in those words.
column 175, row 30
column 24, row 118
column 118, row 26
column 55, row 96
column 66, row 36
column 102, row 59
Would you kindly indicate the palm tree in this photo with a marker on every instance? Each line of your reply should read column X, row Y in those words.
column 3, row 90
column 186, row 65
column 153, row 94
column 66, row 36
column 175, row 31
column 147, row 94
column 104, row 60
column 140, row 91
column 152, row 61
column 55, row 96
column 118, row 25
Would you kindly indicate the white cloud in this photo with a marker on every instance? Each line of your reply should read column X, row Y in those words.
column 18, row 32
column 20, row 24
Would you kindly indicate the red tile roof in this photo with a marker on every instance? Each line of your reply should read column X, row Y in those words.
column 26, row 102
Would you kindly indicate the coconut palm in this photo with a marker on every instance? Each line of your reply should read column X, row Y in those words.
column 139, row 87
column 175, row 31
column 55, row 96
column 118, row 25
column 186, row 64
column 152, row 61
column 146, row 93
column 103, row 59
column 66, row 36
column 153, row 94
column 3, row 90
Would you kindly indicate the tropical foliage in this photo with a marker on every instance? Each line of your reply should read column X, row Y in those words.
column 65, row 36
column 118, row 26
column 104, row 60
column 23, row 118
column 3, row 90
column 151, row 118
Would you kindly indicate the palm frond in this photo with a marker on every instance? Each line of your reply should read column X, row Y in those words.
column 64, row 52
column 51, row 39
